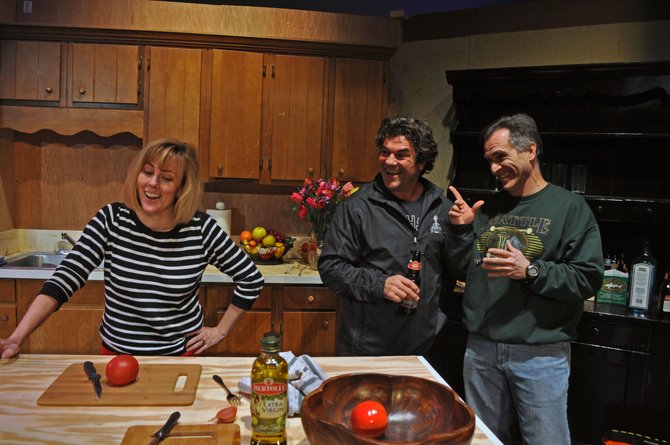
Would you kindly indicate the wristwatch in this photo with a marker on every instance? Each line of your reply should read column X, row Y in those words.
column 532, row 272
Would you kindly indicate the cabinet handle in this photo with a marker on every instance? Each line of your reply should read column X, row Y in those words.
column 600, row 210
column 340, row 172
column 310, row 299
column 4, row 317
column 219, row 169
column 48, row 90
column 264, row 70
column 269, row 163
column 595, row 332
column 82, row 91
column 310, row 171
column 273, row 71
column 260, row 164
column 649, row 211
column 325, row 325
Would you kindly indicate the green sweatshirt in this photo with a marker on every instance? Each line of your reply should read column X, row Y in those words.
column 554, row 227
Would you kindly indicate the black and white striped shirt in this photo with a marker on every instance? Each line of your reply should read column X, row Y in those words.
column 152, row 278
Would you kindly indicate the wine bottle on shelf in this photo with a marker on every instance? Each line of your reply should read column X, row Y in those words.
column 664, row 300
column 643, row 270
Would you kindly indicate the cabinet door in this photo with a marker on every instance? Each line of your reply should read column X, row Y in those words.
column 73, row 329
column 30, row 70
column 235, row 127
column 605, row 392
column 309, row 320
column 244, row 339
column 7, row 308
column 360, row 105
column 292, row 139
column 105, row 74
column 173, row 96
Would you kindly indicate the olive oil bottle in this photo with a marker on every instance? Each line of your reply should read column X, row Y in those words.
column 269, row 394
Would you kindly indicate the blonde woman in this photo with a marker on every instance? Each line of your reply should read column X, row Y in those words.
column 155, row 248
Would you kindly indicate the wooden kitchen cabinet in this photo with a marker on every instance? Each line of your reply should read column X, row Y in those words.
column 244, row 339
column 359, row 107
column 309, row 320
column 7, row 308
column 173, row 94
column 73, row 329
column 304, row 315
column 267, row 116
column 105, row 74
column 30, row 71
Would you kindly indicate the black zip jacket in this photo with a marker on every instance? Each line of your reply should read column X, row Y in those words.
column 369, row 240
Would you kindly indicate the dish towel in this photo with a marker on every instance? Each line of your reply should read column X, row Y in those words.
column 304, row 376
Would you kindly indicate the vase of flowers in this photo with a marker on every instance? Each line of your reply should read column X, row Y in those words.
column 316, row 202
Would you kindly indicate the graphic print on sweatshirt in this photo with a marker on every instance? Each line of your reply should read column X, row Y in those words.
column 521, row 231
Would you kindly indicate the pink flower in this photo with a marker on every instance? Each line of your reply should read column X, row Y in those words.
column 346, row 188
column 296, row 198
column 302, row 211
column 310, row 202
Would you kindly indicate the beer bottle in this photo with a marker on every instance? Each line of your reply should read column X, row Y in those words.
column 269, row 394
column 407, row 307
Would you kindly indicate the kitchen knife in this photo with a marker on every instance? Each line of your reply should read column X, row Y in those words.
column 94, row 377
column 165, row 430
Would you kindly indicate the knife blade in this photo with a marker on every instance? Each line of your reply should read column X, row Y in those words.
column 165, row 430
column 94, row 377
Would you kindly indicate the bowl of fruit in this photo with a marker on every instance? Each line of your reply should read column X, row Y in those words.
column 265, row 246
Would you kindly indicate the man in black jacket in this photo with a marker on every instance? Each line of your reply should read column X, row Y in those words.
column 371, row 240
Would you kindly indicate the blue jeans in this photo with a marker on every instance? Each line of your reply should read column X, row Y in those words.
column 529, row 382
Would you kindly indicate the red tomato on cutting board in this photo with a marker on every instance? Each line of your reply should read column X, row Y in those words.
column 369, row 419
column 122, row 370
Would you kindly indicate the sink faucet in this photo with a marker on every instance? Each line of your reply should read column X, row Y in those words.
column 68, row 238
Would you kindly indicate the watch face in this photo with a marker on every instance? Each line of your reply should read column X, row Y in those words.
column 533, row 270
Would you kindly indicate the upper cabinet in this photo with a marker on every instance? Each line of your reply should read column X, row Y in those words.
column 359, row 106
column 100, row 74
column 173, row 94
column 105, row 74
column 267, row 116
column 30, row 70
column 71, row 87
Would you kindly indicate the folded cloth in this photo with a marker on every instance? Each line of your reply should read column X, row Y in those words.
column 304, row 376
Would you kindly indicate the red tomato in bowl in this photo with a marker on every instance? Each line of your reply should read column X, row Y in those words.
column 369, row 419
column 122, row 370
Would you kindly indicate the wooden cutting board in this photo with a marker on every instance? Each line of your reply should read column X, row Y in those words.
column 212, row 434
column 156, row 385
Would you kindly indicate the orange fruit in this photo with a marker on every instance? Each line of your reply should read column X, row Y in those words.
column 245, row 236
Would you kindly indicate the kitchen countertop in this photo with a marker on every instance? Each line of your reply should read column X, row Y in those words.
column 289, row 272
column 24, row 379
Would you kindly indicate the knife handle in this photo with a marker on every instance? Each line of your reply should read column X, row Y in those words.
column 89, row 369
column 171, row 422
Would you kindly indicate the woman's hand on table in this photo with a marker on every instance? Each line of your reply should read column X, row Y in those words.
column 8, row 349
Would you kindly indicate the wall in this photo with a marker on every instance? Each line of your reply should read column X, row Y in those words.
column 551, row 32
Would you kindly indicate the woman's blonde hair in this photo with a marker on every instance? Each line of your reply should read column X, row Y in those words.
column 160, row 152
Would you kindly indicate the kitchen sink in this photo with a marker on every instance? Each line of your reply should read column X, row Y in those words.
column 39, row 260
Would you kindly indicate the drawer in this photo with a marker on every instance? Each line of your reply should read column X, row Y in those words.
column 309, row 298
column 614, row 334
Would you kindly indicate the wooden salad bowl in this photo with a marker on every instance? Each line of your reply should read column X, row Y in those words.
column 420, row 411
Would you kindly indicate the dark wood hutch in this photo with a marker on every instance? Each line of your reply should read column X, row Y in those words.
column 614, row 119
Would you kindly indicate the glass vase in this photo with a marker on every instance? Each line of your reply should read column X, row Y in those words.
column 315, row 244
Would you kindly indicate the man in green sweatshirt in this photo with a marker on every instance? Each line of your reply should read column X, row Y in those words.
column 532, row 254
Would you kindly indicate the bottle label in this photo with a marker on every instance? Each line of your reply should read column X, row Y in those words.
column 640, row 286
column 666, row 304
column 269, row 405
column 414, row 265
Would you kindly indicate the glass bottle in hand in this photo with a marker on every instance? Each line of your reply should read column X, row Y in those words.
column 269, row 394
column 408, row 307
